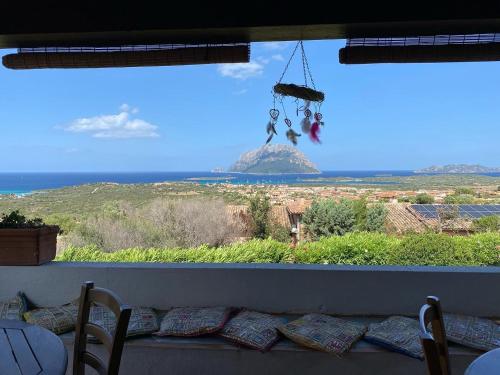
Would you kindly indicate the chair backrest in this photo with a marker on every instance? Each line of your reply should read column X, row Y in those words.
column 434, row 343
column 113, row 343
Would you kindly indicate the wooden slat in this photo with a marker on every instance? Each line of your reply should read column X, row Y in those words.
column 22, row 351
column 51, row 353
column 171, row 57
column 420, row 54
column 8, row 364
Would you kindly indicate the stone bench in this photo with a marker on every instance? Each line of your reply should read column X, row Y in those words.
column 215, row 355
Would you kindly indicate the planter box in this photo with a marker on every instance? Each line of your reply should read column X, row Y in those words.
column 28, row 247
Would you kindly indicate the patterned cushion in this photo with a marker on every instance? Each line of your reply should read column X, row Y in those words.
column 59, row 319
column 14, row 308
column 193, row 321
column 323, row 332
column 253, row 329
column 143, row 321
column 471, row 331
column 397, row 333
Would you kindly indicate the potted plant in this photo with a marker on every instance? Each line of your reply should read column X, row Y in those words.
column 26, row 242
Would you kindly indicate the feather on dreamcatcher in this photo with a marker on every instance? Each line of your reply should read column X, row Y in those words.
column 310, row 124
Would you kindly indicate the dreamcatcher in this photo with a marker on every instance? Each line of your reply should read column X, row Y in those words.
column 307, row 100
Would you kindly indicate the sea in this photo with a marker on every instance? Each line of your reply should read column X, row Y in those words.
column 26, row 183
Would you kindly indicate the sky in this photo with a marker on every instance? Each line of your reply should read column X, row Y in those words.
column 196, row 118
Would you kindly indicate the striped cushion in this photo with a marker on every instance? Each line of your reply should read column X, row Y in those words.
column 478, row 333
column 323, row 332
column 397, row 333
column 14, row 308
column 193, row 321
column 58, row 319
column 253, row 329
column 143, row 321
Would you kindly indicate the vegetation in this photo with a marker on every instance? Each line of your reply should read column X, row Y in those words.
column 16, row 220
column 328, row 217
column 459, row 199
column 487, row 224
column 375, row 218
column 358, row 248
column 163, row 223
column 423, row 198
column 260, row 209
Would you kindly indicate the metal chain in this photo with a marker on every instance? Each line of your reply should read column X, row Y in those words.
column 289, row 61
column 305, row 64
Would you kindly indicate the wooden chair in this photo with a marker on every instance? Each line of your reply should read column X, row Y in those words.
column 434, row 343
column 113, row 343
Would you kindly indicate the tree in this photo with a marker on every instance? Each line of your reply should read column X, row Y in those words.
column 327, row 218
column 375, row 218
column 424, row 198
column 259, row 214
column 360, row 211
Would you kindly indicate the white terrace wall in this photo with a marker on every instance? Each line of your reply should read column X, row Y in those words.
column 342, row 290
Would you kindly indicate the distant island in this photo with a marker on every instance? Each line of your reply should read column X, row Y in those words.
column 274, row 159
column 458, row 168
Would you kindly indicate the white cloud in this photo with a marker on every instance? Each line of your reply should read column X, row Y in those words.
column 241, row 71
column 126, row 108
column 274, row 46
column 278, row 57
column 240, row 92
column 121, row 125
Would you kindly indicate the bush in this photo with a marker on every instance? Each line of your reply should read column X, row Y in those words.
column 375, row 218
column 356, row 248
column 163, row 223
column 464, row 190
column 259, row 214
column 280, row 233
column 424, row 198
column 353, row 248
column 487, row 224
column 433, row 249
column 327, row 218
column 459, row 199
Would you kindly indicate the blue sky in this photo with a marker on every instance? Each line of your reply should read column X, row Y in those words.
column 195, row 118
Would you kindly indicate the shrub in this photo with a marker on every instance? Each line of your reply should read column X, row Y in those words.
column 464, row 190
column 442, row 250
column 356, row 248
column 353, row 248
column 327, row 218
column 487, row 224
column 459, row 199
column 279, row 233
column 375, row 218
column 424, row 198
column 163, row 223
column 259, row 214
column 67, row 223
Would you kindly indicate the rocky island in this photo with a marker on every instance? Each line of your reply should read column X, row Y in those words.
column 274, row 159
column 458, row 168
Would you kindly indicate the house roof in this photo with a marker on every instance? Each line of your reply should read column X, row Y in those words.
column 298, row 207
column 401, row 220
column 280, row 216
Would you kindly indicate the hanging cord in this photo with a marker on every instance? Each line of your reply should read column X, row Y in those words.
column 289, row 61
column 305, row 65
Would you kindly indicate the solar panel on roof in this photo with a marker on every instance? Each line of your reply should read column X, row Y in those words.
column 472, row 211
